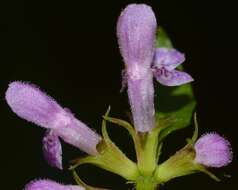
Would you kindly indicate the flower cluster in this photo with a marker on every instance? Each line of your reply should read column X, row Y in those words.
column 136, row 31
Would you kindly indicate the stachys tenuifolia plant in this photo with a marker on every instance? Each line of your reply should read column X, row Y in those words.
column 148, row 54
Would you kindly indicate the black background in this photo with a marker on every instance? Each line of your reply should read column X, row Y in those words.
column 69, row 49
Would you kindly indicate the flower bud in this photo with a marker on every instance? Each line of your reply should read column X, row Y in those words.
column 50, row 185
column 212, row 150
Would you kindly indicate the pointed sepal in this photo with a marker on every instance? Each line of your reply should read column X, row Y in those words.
column 81, row 183
column 180, row 164
column 110, row 158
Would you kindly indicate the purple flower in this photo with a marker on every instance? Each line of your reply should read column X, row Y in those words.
column 30, row 103
column 165, row 62
column 136, row 30
column 52, row 150
column 50, row 185
column 212, row 150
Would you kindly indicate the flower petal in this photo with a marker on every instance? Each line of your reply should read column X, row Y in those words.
column 52, row 149
column 168, row 58
column 30, row 103
column 141, row 98
column 136, row 30
column 50, row 185
column 171, row 78
column 79, row 135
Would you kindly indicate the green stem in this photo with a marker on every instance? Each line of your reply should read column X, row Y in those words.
column 146, row 183
column 147, row 161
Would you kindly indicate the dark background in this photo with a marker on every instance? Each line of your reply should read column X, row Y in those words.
column 69, row 49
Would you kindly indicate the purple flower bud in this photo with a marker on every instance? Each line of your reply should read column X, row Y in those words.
column 165, row 62
column 30, row 103
column 136, row 36
column 212, row 150
column 52, row 150
column 50, row 185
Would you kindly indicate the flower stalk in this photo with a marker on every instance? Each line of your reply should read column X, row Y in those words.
column 146, row 183
column 147, row 161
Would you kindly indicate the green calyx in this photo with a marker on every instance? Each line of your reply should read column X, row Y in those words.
column 175, row 107
column 110, row 158
column 182, row 162
column 81, row 183
column 146, row 174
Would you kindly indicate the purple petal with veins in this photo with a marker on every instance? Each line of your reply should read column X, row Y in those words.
column 171, row 78
column 50, row 185
column 168, row 58
column 52, row 150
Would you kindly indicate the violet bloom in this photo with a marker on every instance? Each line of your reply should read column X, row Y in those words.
column 52, row 149
column 30, row 103
column 165, row 62
column 212, row 150
column 50, row 185
column 136, row 30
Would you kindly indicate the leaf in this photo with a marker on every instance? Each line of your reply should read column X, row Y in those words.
column 163, row 39
column 175, row 102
